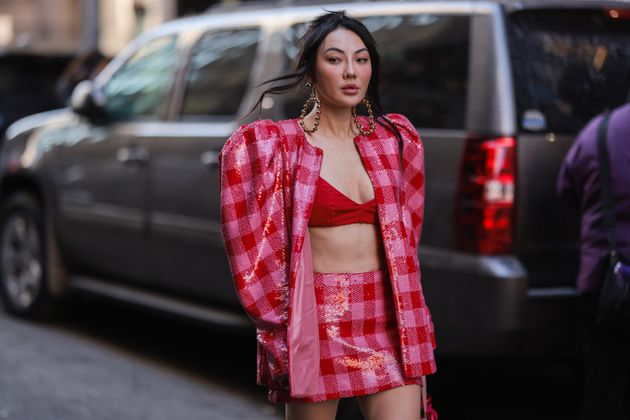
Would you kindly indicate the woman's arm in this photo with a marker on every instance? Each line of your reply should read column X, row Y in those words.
column 255, row 233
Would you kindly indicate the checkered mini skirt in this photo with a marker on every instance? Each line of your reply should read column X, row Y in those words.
column 359, row 344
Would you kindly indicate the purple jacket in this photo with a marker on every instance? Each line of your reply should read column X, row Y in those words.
column 579, row 186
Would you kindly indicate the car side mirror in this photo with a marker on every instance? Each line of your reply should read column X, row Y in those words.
column 88, row 100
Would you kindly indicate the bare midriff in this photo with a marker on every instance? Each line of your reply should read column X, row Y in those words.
column 352, row 248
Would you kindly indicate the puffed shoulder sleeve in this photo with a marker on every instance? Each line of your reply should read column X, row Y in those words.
column 254, row 227
column 413, row 175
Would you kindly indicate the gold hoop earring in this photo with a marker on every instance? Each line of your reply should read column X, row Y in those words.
column 362, row 130
column 312, row 99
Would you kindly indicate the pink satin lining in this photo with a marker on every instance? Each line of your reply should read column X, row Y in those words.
column 303, row 329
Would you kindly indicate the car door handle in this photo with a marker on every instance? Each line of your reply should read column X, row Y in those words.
column 210, row 158
column 132, row 155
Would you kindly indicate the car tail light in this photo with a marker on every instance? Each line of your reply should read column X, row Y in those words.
column 618, row 13
column 485, row 200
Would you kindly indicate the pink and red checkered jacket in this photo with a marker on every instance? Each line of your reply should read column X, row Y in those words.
column 268, row 175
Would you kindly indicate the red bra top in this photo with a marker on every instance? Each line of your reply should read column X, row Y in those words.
column 332, row 208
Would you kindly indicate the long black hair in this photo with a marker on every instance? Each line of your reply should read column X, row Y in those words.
column 319, row 28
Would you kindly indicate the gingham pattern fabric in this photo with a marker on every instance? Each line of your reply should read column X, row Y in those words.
column 255, row 232
column 268, row 175
column 358, row 337
column 401, row 224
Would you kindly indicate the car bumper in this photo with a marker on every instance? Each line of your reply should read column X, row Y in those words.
column 482, row 306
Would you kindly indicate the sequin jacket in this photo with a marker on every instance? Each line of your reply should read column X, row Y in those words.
column 268, row 178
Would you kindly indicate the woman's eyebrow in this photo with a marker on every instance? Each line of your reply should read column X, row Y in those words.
column 341, row 51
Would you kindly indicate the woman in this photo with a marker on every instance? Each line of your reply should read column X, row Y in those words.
column 321, row 216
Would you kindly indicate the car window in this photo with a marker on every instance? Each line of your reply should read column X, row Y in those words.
column 218, row 73
column 424, row 67
column 140, row 87
column 568, row 66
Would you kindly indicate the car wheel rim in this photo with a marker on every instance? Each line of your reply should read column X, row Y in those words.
column 21, row 261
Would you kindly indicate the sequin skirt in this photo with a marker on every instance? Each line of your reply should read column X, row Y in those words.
column 359, row 344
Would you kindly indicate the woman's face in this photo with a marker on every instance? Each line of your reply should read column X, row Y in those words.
column 342, row 70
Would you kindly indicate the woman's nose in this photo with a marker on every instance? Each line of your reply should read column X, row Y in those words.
column 349, row 73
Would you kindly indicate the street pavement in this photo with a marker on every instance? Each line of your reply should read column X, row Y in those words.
column 93, row 366
column 104, row 361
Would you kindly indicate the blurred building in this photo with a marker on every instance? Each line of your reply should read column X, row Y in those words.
column 59, row 27
column 41, row 26
column 122, row 20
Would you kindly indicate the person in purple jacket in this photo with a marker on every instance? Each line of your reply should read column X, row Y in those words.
column 606, row 356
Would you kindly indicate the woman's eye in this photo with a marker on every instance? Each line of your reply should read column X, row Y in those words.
column 363, row 60
column 333, row 60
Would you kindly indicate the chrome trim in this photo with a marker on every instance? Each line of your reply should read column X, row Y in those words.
column 102, row 214
column 206, row 129
column 170, row 305
column 551, row 292
column 31, row 122
column 185, row 226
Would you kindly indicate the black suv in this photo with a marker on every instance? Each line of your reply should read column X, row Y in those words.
column 119, row 196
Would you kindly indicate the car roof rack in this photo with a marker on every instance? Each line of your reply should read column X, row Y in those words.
column 262, row 5
column 509, row 5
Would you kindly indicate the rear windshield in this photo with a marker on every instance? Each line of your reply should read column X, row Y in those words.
column 568, row 66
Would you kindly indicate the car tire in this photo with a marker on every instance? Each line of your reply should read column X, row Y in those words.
column 23, row 276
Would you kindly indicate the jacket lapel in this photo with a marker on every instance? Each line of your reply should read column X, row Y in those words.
column 303, row 330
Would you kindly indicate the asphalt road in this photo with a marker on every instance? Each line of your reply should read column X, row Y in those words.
column 103, row 361
column 106, row 362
